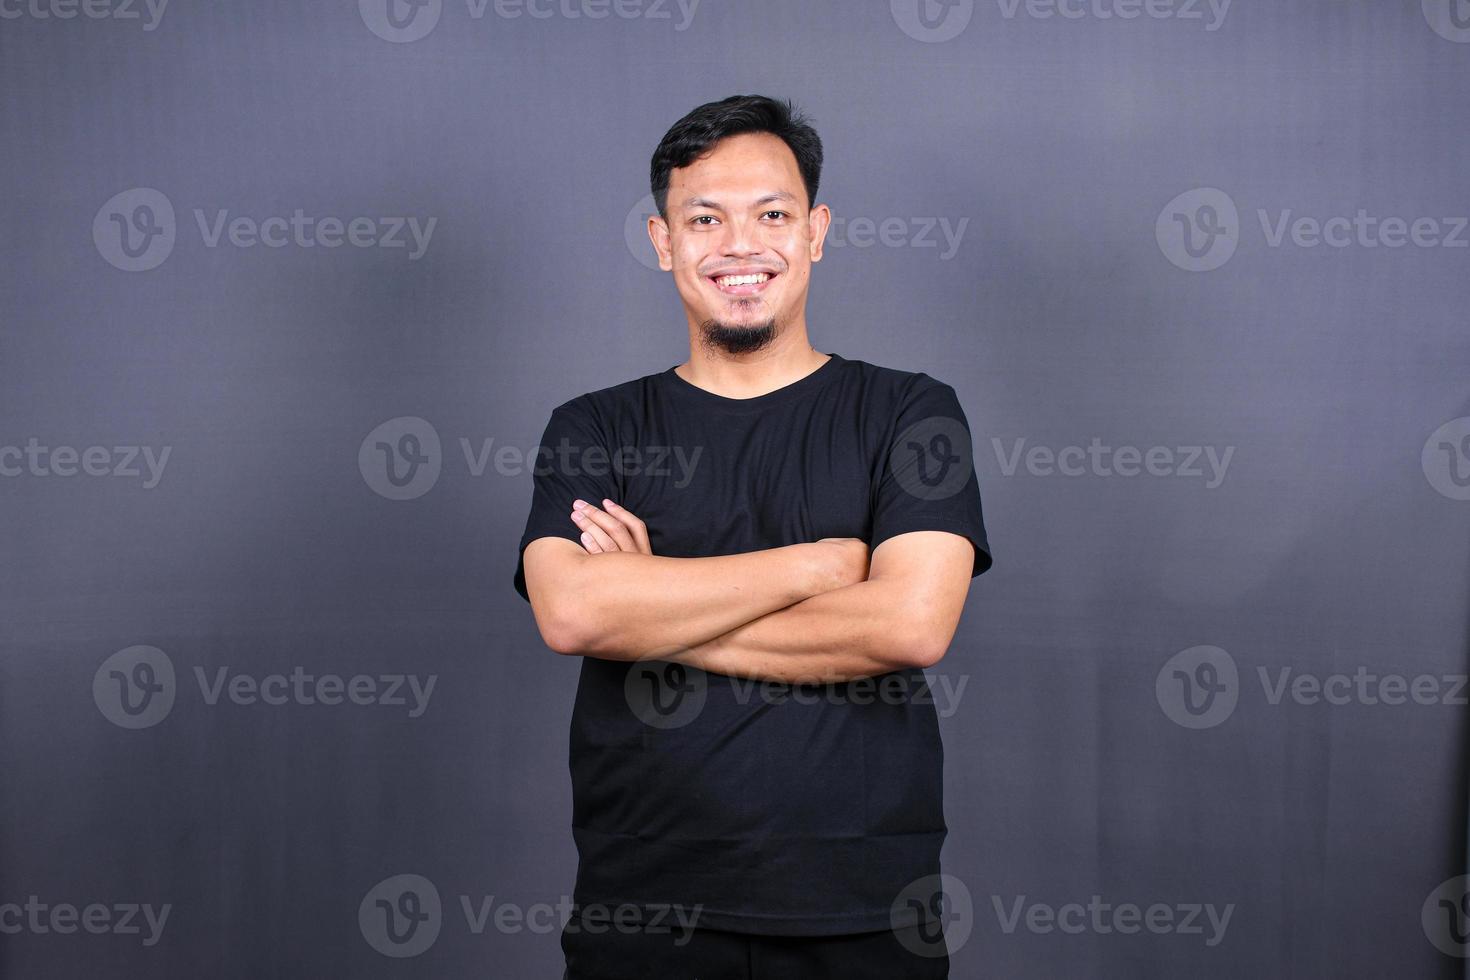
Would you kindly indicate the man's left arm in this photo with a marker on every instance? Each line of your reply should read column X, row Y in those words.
column 903, row 616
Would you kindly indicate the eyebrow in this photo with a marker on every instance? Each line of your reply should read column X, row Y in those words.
column 704, row 202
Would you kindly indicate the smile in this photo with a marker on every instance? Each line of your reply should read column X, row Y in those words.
column 747, row 284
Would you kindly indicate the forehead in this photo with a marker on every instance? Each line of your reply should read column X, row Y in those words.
column 737, row 169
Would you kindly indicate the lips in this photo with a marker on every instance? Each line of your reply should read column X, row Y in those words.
column 742, row 282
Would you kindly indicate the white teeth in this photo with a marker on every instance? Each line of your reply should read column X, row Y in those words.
column 749, row 280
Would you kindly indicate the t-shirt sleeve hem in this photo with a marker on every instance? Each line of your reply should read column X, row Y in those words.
column 519, row 581
column 983, row 559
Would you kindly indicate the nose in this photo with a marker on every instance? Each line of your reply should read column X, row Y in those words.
column 741, row 239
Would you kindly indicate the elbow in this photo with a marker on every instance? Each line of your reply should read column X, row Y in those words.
column 924, row 655
column 576, row 634
column 560, row 595
column 925, row 642
column 561, row 632
column 560, row 640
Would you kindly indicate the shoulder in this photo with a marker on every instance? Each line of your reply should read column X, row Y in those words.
column 896, row 385
column 605, row 404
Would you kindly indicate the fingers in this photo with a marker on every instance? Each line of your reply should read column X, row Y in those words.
column 593, row 528
column 608, row 531
column 635, row 527
column 616, row 529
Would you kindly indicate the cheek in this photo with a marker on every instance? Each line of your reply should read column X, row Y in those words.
column 689, row 262
column 686, row 266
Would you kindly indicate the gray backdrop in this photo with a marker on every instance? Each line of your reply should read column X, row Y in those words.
column 1198, row 273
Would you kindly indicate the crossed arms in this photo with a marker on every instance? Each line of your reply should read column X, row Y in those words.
column 819, row 612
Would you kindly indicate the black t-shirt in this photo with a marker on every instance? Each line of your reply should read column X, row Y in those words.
column 766, row 808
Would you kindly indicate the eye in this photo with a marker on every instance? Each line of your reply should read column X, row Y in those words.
column 779, row 214
column 701, row 218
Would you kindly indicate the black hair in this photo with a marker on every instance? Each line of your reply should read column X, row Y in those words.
column 694, row 135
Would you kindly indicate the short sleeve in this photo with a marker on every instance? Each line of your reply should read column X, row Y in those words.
column 571, row 462
column 929, row 481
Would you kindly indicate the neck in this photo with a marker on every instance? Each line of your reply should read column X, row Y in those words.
column 789, row 358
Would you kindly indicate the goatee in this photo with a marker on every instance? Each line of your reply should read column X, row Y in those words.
column 737, row 340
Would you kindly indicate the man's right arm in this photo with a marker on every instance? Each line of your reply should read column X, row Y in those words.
column 630, row 606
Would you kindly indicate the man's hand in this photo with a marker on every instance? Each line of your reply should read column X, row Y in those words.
column 614, row 529
column 843, row 561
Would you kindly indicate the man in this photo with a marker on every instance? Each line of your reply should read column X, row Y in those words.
column 760, row 516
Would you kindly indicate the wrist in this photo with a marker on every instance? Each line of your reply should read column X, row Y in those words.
column 813, row 571
column 836, row 564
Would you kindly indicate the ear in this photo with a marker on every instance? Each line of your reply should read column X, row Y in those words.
column 819, row 221
column 658, row 233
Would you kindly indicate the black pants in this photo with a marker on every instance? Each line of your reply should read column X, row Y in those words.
column 676, row 953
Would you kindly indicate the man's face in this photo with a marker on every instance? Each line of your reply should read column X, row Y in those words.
column 740, row 210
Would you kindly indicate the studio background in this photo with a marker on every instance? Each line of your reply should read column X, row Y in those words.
column 1088, row 225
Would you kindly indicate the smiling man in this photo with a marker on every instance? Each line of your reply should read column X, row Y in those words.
column 755, row 758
